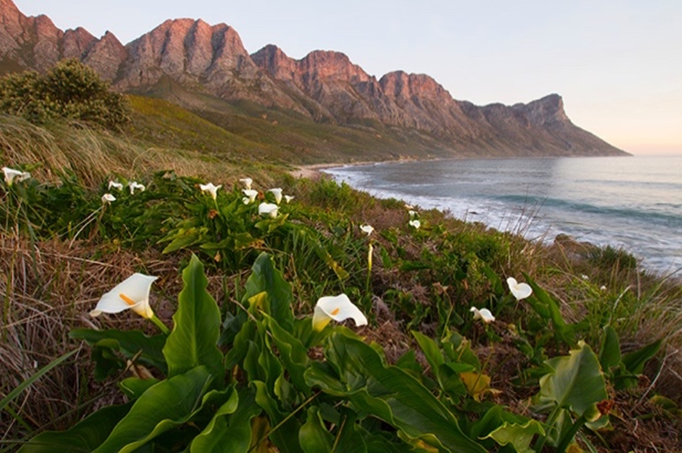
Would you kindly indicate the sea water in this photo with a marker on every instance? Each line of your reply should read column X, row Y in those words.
column 633, row 203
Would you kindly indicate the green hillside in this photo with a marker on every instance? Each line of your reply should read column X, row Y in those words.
column 242, row 342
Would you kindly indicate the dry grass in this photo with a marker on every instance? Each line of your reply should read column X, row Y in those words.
column 47, row 291
column 95, row 155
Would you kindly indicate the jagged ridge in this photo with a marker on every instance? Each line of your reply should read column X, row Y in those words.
column 324, row 86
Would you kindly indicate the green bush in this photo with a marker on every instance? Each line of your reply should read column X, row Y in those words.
column 69, row 90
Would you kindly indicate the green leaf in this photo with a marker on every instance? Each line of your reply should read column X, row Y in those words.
column 134, row 387
column 229, row 433
column 183, row 238
column 286, row 436
column 609, row 353
column 193, row 341
column 634, row 361
column 84, row 437
column 313, row 436
column 576, row 383
column 133, row 343
column 292, row 353
column 563, row 331
column 430, row 349
column 349, row 439
column 520, row 436
column 388, row 393
column 494, row 279
column 266, row 278
column 162, row 407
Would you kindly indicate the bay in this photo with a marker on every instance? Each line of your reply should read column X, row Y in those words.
column 634, row 203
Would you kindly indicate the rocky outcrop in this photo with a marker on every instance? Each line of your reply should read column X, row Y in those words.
column 191, row 58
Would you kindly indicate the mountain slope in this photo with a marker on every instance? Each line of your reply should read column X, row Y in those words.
column 207, row 69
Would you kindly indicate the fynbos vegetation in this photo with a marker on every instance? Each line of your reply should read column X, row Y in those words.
column 181, row 304
column 69, row 90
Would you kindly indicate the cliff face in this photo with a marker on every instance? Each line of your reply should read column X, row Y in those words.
column 323, row 86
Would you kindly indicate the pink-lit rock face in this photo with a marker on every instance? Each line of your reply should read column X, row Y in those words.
column 183, row 57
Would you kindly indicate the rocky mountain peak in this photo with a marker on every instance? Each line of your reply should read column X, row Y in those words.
column 547, row 110
column 327, row 64
column 273, row 60
column 182, row 58
column 403, row 86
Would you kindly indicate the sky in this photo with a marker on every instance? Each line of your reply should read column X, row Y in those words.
column 616, row 63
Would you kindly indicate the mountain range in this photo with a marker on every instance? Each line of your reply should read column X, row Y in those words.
column 190, row 63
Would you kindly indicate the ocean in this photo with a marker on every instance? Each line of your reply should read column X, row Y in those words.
column 633, row 203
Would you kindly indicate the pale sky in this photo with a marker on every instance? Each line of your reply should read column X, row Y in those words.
column 616, row 63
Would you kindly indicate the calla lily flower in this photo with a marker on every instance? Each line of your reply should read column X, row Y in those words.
column 115, row 185
column 339, row 308
column 367, row 229
column 11, row 174
column 268, row 209
column 288, row 198
column 415, row 223
column 483, row 314
column 108, row 198
column 277, row 192
column 519, row 290
column 211, row 189
column 132, row 293
column 247, row 183
column 134, row 185
column 250, row 196
column 412, row 214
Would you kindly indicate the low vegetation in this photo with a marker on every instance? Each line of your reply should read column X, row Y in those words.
column 582, row 353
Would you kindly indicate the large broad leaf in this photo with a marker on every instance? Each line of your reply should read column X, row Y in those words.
column 313, row 436
column 577, row 382
column 84, row 437
column 130, row 343
column 292, row 353
column 520, row 436
column 162, row 407
column 182, row 238
column 193, row 341
column 350, row 439
column 634, row 361
column 266, row 278
column 229, row 433
column 388, row 393
column 286, row 436
column 609, row 353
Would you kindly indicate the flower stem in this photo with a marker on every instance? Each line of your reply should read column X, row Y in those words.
column 160, row 325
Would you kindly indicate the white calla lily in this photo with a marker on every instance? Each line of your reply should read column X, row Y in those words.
column 11, row 174
column 416, row 224
column 339, row 308
column 108, row 198
column 519, row 290
column 268, row 209
column 211, row 189
column 134, row 185
column 115, row 185
column 277, row 192
column 483, row 314
column 412, row 214
column 250, row 195
column 132, row 293
column 288, row 198
column 247, row 183
column 367, row 229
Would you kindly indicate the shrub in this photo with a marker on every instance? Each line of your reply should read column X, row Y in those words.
column 69, row 90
